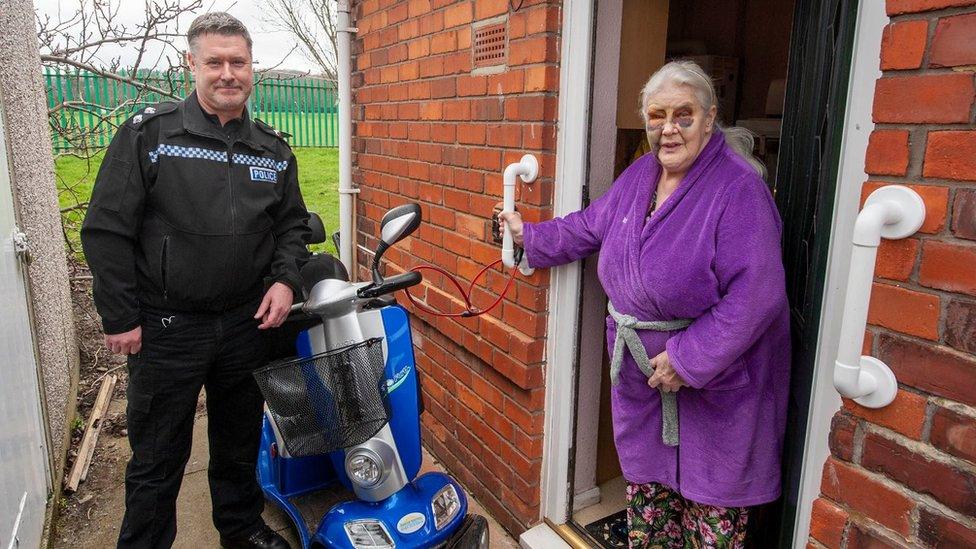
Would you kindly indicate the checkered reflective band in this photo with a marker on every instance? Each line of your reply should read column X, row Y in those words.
column 187, row 152
column 269, row 163
column 216, row 156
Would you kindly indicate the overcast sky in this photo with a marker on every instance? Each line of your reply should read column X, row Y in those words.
column 270, row 45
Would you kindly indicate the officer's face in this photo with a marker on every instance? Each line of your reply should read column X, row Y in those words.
column 223, row 71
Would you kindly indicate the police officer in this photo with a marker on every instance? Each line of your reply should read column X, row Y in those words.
column 195, row 211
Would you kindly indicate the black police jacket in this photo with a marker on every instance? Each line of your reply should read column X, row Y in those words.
column 187, row 216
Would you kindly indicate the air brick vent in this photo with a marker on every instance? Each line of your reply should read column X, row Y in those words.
column 490, row 45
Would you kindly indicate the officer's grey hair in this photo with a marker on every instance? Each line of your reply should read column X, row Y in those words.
column 688, row 73
column 217, row 22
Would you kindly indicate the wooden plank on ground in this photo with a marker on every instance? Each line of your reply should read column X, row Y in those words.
column 79, row 470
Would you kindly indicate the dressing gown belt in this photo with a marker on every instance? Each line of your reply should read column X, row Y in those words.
column 627, row 327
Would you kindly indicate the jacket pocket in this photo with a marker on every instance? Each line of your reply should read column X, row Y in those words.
column 199, row 270
column 164, row 266
column 735, row 376
column 141, row 421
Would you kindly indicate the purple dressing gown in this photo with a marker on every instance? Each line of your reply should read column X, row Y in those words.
column 710, row 253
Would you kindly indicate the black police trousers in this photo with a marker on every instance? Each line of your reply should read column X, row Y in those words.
column 182, row 353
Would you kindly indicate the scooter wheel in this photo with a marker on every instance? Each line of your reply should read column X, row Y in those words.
column 472, row 534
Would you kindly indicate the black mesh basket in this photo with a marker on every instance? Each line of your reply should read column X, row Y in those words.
column 327, row 401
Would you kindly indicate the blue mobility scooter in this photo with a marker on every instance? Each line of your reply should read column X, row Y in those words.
column 347, row 410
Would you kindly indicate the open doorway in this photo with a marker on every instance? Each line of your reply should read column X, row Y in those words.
column 751, row 48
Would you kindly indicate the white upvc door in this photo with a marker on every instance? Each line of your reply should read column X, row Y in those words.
column 23, row 452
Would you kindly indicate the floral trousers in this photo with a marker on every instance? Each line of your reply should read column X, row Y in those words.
column 659, row 517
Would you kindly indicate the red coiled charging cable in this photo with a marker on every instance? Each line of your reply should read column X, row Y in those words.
column 470, row 310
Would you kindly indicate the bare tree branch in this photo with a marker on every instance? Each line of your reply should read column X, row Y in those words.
column 78, row 206
column 316, row 35
column 67, row 52
column 268, row 73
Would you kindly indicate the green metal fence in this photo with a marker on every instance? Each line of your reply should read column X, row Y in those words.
column 86, row 107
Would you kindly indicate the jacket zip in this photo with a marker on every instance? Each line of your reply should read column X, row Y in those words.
column 233, row 202
column 164, row 265
column 233, row 210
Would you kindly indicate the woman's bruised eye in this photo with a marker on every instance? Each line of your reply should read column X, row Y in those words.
column 656, row 116
column 684, row 118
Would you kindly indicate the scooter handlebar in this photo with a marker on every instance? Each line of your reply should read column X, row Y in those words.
column 391, row 284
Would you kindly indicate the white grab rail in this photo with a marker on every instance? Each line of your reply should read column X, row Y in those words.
column 527, row 169
column 892, row 212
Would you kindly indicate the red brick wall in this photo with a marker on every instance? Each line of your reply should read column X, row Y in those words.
column 430, row 129
column 905, row 475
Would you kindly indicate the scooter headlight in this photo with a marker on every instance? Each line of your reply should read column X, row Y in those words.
column 368, row 534
column 364, row 468
column 445, row 505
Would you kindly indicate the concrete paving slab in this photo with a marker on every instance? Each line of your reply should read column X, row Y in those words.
column 194, row 527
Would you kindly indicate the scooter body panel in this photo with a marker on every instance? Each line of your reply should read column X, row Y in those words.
column 283, row 477
column 403, row 387
column 290, row 475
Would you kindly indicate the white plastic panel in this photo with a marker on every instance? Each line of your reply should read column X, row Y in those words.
column 23, row 455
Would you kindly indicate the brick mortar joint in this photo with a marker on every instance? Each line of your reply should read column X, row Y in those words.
column 857, row 442
column 942, row 328
column 957, row 407
column 914, row 521
column 879, row 530
column 881, row 330
column 920, row 448
column 929, row 40
column 930, row 409
column 947, row 237
column 920, row 181
column 903, row 74
column 972, row 112
column 934, row 507
column 917, row 145
column 913, row 285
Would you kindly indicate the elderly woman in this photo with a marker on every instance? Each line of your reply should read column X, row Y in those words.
column 689, row 241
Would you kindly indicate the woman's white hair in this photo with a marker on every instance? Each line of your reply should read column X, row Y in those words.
column 688, row 73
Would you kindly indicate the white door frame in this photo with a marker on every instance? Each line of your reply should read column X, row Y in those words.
column 564, row 282
column 564, row 302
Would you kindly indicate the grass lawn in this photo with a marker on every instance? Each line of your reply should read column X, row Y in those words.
column 318, row 177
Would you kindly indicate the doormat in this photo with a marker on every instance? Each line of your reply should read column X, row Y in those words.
column 610, row 532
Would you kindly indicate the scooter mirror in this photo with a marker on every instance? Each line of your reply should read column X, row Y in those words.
column 399, row 222
column 394, row 227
